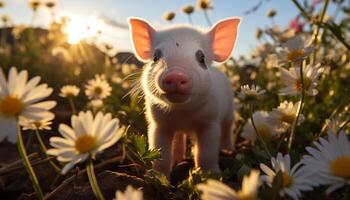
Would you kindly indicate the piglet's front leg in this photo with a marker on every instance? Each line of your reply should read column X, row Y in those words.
column 161, row 138
column 207, row 152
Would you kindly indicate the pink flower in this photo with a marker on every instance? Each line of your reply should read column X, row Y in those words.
column 315, row 3
column 296, row 25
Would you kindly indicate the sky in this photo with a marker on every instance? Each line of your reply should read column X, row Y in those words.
column 153, row 10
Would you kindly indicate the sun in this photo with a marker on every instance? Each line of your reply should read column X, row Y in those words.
column 79, row 28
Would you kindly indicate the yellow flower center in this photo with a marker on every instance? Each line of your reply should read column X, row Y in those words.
column 307, row 83
column 85, row 143
column 37, row 124
column 287, row 117
column 98, row 90
column 341, row 166
column 246, row 196
column 69, row 94
column 287, row 180
column 11, row 106
column 295, row 54
column 264, row 131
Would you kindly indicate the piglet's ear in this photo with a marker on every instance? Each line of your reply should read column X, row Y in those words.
column 142, row 34
column 223, row 37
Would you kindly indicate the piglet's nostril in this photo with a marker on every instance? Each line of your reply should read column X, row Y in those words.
column 168, row 82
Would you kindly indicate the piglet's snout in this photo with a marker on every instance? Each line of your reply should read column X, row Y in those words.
column 177, row 85
column 176, row 81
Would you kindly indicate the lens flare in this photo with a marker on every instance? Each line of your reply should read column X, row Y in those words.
column 78, row 29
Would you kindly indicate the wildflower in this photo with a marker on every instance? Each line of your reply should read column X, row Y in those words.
column 265, row 129
column 95, row 104
column 129, row 194
column 88, row 136
column 284, row 115
column 69, row 91
column 294, row 50
column 17, row 31
column 215, row 190
column 169, row 16
column 20, row 98
column 258, row 33
column 281, row 36
column 98, row 88
column 296, row 25
column 51, row 4
column 271, row 13
column 188, row 9
column 34, row 4
column 5, row 19
column 42, row 124
column 294, row 180
column 271, row 61
column 250, row 94
column 292, row 80
column 329, row 162
column 262, row 51
column 204, row 4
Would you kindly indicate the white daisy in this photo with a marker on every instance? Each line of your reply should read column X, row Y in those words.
column 95, row 104
column 265, row 129
column 216, row 190
column 249, row 94
column 294, row 180
column 284, row 115
column 292, row 80
column 89, row 135
column 329, row 161
column 279, row 35
column 262, row 51
column 20, row 98
column 42, row 124
column 98, row 88
column 129, row 194
column 69, row 91
column 294, row 50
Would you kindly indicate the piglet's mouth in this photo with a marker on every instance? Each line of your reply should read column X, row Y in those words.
column 177, row 97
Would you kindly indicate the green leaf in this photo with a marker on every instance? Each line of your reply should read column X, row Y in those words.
column 149, row 156
column 140, row 143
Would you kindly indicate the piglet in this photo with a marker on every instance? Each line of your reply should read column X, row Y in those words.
column 184, row 95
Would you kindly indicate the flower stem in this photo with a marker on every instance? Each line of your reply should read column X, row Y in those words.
column 302, row 97
column 257, row 132
column 190, row 19
column 343, row 125
column 27, row 165
column 207, row 17
column 301, row 9
column 317, row 30
column 44, row 149
column 72, row 105
column 93, row 181
column 320, row 19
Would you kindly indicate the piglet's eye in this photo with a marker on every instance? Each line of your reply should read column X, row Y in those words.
column 201, row 59
column 157, row 55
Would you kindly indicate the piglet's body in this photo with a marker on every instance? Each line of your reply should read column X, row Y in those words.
column 184, row 95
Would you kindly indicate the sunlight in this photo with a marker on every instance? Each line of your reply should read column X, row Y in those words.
column 79, row 28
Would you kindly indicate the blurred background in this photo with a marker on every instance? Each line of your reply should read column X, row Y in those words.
column 111, row 16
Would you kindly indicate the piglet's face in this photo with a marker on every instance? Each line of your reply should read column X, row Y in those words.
column 180, row 57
